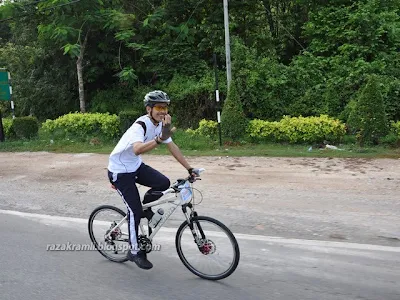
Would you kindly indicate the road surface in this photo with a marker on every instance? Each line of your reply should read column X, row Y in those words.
column 269, row 268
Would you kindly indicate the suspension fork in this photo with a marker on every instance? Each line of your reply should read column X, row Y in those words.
column 190, row 221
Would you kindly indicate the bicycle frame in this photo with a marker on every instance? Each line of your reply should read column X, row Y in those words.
column 175, row 198
column 180, row 194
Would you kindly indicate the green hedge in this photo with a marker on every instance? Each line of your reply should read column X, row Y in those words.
column 7, row 127
column 288, row 129
column 207, row 128
column 395, row 127
column 84, row 125
column 127, row 118
column 21, row 127
column 310, row 129
column 25, row 127
column 192, row 99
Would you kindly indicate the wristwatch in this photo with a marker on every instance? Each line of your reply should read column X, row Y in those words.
column 157, row 140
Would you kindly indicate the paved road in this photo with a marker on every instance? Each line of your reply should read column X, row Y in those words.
column 270, row 268
column 352, row 200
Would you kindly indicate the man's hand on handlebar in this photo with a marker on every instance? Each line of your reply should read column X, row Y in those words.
column 194, row 172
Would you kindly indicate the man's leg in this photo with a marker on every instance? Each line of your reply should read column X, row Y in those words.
column 150, row 177
column 126, row 187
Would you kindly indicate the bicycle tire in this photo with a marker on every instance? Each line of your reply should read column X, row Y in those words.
column 90, row 229
column 232, row 238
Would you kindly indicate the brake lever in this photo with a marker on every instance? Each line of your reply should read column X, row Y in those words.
column 193, row 179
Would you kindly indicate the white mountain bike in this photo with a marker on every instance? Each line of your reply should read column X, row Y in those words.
column 204, row 245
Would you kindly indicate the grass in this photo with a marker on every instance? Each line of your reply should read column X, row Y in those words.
column 198, row 147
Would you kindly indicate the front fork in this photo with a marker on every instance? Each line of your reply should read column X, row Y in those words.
column 199, row 240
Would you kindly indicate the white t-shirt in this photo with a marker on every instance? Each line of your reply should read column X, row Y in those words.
column 122, row 159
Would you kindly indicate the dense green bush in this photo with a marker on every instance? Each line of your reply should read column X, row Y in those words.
column 392, row 96
column 193, row 141
column 368, row 118
column 8, row 128
column 288, row 129
column 192, row 99
column 393, row 137
column 111, row 101
column 43, row 84
column 288, row 57
column 83, row 125
column 233, row 120
column 310, row 129
column 127, row 118
column 395, row 127
column 25, row 127
column 297, row 129
column 262, row 82
column 260, row 130
column 207, row 128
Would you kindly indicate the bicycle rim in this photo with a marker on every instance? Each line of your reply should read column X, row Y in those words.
column 218, row 255
column 101, row 221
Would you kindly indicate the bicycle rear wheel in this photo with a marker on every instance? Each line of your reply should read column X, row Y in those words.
column 213, row 254
column 103, row 219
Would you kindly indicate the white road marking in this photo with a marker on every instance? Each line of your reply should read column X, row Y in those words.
column 262, row 238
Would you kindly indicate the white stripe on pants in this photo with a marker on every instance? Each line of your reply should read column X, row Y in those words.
column 132, row 231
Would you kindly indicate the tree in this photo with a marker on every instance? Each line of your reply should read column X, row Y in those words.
column 368, row 117
column 233, row 120
column 71, row 27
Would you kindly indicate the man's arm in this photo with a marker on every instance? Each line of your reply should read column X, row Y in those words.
column 140, row 148
column 176, row 152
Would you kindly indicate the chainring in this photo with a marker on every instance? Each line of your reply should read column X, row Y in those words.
column 145, row 243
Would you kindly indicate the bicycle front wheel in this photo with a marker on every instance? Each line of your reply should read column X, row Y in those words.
column 102, row 221
column 208, row 249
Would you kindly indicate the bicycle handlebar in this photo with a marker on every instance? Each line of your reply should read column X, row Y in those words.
column 190, row 178
column 193, row 178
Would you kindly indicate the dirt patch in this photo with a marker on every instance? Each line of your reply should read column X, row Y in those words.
column 355, row 200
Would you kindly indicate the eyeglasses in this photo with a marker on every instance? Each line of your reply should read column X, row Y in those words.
column 160, row 108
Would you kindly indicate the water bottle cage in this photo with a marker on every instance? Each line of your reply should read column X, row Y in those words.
column 157, row 217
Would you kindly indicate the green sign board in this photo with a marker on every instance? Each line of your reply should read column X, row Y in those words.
column 5, row 94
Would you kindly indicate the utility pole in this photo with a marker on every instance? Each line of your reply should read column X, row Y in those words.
column 227, row 44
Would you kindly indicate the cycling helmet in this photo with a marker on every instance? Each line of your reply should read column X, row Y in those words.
column 156, row 97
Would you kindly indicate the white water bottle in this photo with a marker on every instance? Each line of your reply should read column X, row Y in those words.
column 156, row 218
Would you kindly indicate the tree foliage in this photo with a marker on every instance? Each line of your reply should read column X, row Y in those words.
column 233, row 119
column 297, row 58
column 368, row 118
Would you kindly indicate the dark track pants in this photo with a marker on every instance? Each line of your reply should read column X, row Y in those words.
column 125, row 184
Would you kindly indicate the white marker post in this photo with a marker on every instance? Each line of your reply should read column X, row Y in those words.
column 217, row 99
column 11, row 99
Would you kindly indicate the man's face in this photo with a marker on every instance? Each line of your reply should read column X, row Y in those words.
column 159, row 111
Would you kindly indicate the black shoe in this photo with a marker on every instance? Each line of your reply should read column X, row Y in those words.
column 140, row 260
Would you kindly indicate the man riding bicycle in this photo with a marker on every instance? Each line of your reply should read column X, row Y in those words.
column 126, row 168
